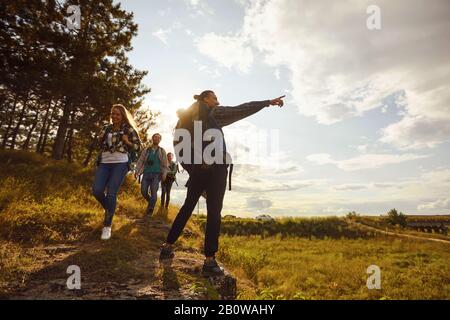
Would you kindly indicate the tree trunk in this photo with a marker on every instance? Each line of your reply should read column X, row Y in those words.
column 44, row 124
column 47, row 130
column 5, row 137
column 70, row 145
column 19, row 123
column 30, row 132
column 90, row 151
column 58, row 146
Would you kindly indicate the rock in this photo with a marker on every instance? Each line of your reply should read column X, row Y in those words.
column 225, row 285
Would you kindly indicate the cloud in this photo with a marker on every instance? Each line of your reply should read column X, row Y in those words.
column 340, row 69
column 362, row 147
column 161, row 34
column 258, row 203
column 441, row 176
column 438, row 204
column 290, row 170
column 265, row 186
column 389, row 185
column 351, row 187
column 365, row 161
column 277, row 74
column 417, row 132
column 199, row 8
column 228, row 51
column 320, row 158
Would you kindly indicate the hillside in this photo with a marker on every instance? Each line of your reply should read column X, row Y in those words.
column 49, row 221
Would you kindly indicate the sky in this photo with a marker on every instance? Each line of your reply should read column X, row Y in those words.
column 366, row 121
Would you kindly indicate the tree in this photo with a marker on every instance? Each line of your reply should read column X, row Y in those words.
column 396, row 218
column 57, row 84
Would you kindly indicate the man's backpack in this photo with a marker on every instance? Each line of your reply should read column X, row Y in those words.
column 198, row 111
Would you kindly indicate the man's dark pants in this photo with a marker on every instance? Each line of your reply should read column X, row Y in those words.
column 166, row 187
column 212, row 180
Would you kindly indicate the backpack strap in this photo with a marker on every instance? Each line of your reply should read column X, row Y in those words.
column 229, row 176
column 107, row 131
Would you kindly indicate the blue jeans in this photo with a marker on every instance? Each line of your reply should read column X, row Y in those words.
column 150, row 181
column 109, row 177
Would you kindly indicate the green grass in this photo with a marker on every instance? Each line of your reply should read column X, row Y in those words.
column 45, row 202
column 298, row 268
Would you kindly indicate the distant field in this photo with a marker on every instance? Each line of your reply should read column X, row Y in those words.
column 298, row 268
column 381, row 223
column 327, row 258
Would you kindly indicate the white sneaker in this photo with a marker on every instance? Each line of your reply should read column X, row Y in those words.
column 106, row 233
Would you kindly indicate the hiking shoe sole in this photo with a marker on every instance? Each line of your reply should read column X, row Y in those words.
column 213, row 272
column 166, row 254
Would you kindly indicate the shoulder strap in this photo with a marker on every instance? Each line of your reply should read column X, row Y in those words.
column 107, row 131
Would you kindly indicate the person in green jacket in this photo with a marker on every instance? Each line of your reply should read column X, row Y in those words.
column 153, row 166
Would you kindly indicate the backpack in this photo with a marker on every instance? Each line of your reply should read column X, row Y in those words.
column 198, row 111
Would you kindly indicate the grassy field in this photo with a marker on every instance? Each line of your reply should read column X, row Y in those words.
column 48, row 203
column 299, row 268
column 327, row 258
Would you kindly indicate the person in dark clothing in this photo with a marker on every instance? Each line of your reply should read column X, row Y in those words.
column 213, row 180
column 166, row 186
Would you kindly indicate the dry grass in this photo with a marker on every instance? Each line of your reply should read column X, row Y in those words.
column 298, row 268
column 45, row 202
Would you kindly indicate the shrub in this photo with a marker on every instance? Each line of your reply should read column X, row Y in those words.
column 396, row 218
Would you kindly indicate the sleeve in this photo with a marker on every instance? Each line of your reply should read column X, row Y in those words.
column 228, row 115
column 134, row 139
column 140, row 164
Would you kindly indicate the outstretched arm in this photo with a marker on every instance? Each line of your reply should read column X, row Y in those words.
column 228, row 115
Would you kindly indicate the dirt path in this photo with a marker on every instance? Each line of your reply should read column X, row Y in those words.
column 112, row 270
column 397, row 234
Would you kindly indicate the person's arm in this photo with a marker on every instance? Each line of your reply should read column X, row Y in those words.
column 228, row 115
column 140, row 164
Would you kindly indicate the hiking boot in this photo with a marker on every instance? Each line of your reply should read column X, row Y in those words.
column 211, row 268
column 149, row 211
column 166, row 252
